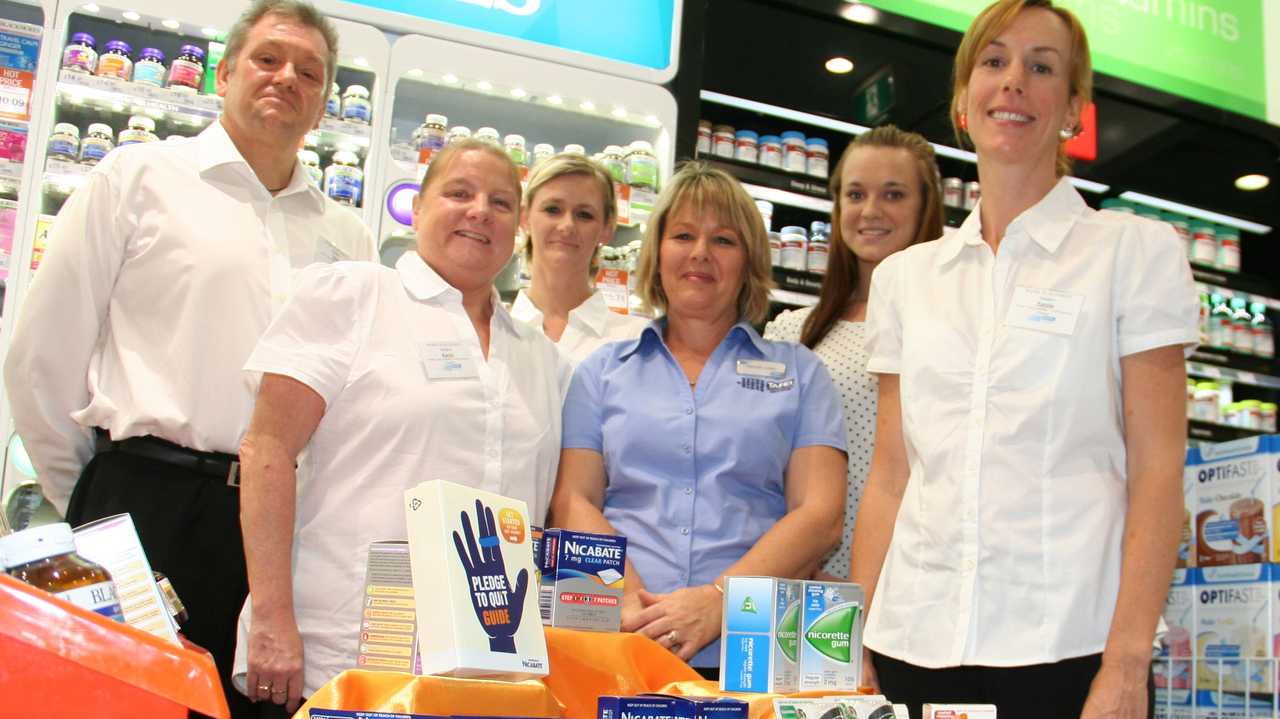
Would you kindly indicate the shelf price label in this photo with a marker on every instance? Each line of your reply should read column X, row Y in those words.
column 15, row 94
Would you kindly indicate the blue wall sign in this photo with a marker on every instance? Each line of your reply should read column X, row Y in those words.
column 636, row 32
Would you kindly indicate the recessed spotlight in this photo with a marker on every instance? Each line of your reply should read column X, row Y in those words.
column 415, row 72
column 857, row 12
column 209, row 31
column 619, row 111
column 90, row 7
column 1252, row 182
column 171, row 24
column 517, row 92
column 360, row 62
column 484, row 86
column 555, row 100
column 450, row 79
column 839, row 65
column 131, row 16
column 587, row 105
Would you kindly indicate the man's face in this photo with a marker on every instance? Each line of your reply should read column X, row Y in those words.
column 276, row 87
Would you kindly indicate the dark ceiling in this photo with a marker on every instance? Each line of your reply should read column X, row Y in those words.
column 773, row 51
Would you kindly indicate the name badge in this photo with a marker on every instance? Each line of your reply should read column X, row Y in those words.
column 761, row 368
column 448, row 360
column 1045, row 310
column 326, row 251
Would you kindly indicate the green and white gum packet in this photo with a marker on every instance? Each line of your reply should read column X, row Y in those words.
column 830, row 645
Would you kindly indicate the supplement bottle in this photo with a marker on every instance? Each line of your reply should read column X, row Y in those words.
column 489, row 135
column 96, row 143
column 771, row 151
column 456, row 133
column 1204, row 243
column 746, row 146
column 817, row 157
column 1221, row 334
column 431, row 138
column 722, row 138
column 64, row 143
column 81, row 54
column 115, row 61
column 333, row 105
column 1264, row 339
column 612, row 162
column 45, row 557
column 542, row 152
column 1205, row 310
column 819, row 248
column 704, row 138
column 356, row 106
column 1241, row 326
column 1268, row 410
column 953, row 192
column 187, row 70
column 150, row 69
column 344, row 180
column 1207, row 398
column 972, row 193
column 766, row 213
column 576, row 149
column 795, row 157
column 794, row 247
column 642, row 166
column 141, row 129
column 1228, row 248
column 311, row 164
column 514, row 145
column 775, row 249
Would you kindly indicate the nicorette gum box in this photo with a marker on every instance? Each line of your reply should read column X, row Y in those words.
column 474, row 583
column 831, row 615
column 582, row 580
column 1233, row 626
column 761, row 620
column 1233, row 508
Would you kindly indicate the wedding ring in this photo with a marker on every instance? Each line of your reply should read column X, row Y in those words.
column 279, row 691
column 264, row 687
column 671, row 637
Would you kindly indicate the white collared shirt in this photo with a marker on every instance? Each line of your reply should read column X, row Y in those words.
column 591, row 324
column 358, row 334
column 158, row 280
column 1007, row 546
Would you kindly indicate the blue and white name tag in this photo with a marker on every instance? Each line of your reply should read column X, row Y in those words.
column 1045, row 310
column 448, row 360
column 762, row 368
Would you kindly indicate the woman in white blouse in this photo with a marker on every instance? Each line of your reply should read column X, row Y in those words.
column 1031, row 416
column 387, row 378
column 886, row 197
column 568, row 214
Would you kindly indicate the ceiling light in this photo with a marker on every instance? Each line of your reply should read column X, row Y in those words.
column 450, row 79
column 171, row 24
column 619, row 112
column 90, row 7
column 1236, row 222
column 131, row 16
column 209, row 31
column 1252, row 182
column 857, row 12
column 517, row 92
column 839, row 65
column 415, row 72
column 555, row 100
column 588, row 105
column 360, row 62
column 484, row 86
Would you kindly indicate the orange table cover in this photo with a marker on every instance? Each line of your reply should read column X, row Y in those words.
column 57, row 659
column 358, row 690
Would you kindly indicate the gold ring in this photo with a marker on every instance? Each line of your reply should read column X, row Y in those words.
column 264, row 687
column 671, row 637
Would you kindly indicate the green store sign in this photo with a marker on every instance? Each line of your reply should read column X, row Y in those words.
column 1211, row 51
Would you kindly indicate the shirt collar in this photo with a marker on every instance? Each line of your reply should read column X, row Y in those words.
column 593, row 313
column 425, row 285
column 215, row 149
column 1047, row 222
column 655, row 329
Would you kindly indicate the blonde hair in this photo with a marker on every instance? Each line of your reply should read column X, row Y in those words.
column 441, row 160
column 698, row 187
column 987, row 26
column 563, row 165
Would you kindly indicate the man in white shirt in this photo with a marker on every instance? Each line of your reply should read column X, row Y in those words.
column 163, row 270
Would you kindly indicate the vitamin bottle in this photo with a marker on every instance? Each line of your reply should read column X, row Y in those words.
column 542, row 152
column 722, row 141
column 515, row 147
column 456, row 133
column 356, row 106
column 612, row 161
column 1228, row 248
column 746, row 146
column 817, row 157
column 1264, row 339
column 150, row 69
column 795, row 246
column 45, row 557
column 489, row 135
column 333, row 105
column 344, row 180
column 704, row 138
column 819, row 248
column 1204, row 250
column 81, row 54
column 575, row 149
column 1241, row 326
column 795, row 154
column 115, row 61
column 187, row 70
column 64, row 143
column 141, row 129
column 771, row 151
column 96, row 144
column 311, row 164
column 433, row 137
column 642, row 166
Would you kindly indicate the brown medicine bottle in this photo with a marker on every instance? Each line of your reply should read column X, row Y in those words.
column 45, row 557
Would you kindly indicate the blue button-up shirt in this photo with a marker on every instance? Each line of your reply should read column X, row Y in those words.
column 696, row 475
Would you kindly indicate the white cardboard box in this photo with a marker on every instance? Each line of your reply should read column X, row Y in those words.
column 1233, row 625
column 474, row 583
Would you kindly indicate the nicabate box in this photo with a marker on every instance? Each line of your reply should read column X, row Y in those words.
column 474, row 583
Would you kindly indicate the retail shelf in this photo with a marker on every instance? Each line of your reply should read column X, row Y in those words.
column 795, row 299
column 108, row 94
column 10, row 171
column 1234, row 360
column 1211, row 371
column 1214, row 432
column 807, row 185
column 61, row 177
column 1255, row 288
column 805, row 283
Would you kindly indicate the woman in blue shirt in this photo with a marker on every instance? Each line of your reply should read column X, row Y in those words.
column 714, row 451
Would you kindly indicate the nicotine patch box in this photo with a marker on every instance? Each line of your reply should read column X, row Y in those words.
column 759, row 635
column 662, row 706
column 474, row 583
column 581, row 580
column 1234, row 504
column 1233, row 628
column 831, row 617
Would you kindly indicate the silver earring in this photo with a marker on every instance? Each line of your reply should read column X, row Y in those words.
column 1066, row 133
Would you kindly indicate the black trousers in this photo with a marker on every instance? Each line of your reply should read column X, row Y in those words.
column 1044, row 691
column 189, row 524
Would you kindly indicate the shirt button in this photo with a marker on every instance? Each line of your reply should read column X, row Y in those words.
column 688, row 410
column 684, row 530
column 688, row 490
column 685, row 447
column 970, row 565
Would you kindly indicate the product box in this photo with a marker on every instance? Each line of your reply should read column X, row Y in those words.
column 474, row 583
column 1187, row 535
column 758, row 652
column 389, row 624
column 1225, row 705
column 113, row 543
column 662, row 706
column 1174, row 703
column 1233, row 624
column 850, row 707
column 1180, row 616
column 831, row 616
column 1234, row 482
column 19, row 53
column 581, row 580
column 959, row 711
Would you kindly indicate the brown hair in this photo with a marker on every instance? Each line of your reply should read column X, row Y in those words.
column 701, row 188
column 441, row 160
column 298, row 10
column 842, row 276
column 987, row 26
column 563, row 165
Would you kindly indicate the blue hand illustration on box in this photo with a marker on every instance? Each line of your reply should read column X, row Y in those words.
column 497, row 607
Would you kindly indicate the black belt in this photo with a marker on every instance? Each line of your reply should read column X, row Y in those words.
column 215, row 465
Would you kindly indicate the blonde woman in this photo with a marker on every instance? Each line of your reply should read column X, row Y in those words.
column 713, row 450
column 568, row 214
